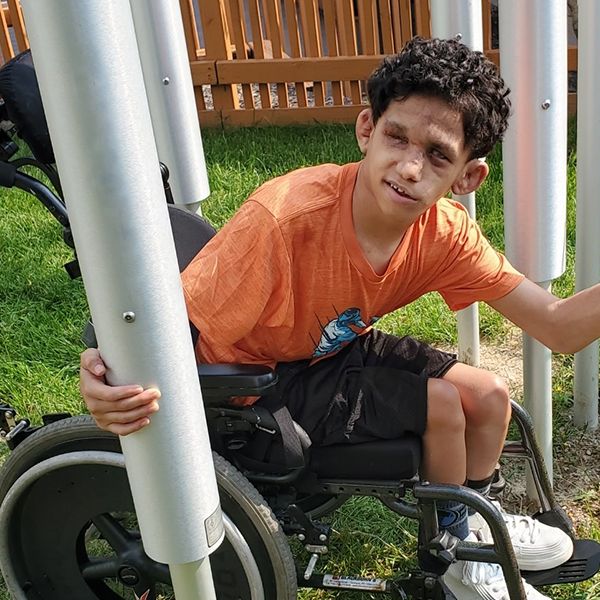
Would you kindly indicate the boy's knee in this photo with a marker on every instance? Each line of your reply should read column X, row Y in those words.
column 444, row 407
column 493, row 403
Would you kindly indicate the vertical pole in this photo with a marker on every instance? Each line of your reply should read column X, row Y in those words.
column 462, row 19
column 168, row 80
column 533, row 58
column 587, row 263
column 94, row 97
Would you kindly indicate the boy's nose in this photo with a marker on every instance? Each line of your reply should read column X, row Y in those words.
column 411, row 166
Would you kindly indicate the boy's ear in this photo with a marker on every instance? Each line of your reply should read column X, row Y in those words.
column 364, row 128
column 471, row 177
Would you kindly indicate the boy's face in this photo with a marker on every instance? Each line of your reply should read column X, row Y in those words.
column 413, row 156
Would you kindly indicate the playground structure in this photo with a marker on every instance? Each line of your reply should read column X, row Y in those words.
column 86, row 454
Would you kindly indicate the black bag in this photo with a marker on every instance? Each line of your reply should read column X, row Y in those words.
column 23, row 103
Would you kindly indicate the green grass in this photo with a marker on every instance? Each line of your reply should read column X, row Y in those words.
column 42, row 314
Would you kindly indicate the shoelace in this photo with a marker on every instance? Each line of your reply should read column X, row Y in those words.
column 482, row 573
column 524, row 527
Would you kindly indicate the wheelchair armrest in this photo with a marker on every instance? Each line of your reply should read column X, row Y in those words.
column 227, row 380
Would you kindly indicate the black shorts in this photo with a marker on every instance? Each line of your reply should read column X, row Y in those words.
column 374, row 388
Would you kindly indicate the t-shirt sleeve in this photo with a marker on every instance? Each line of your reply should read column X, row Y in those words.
column 473, row 270
column 240, row 278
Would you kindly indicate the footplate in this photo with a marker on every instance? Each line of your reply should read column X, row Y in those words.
column 584, row 564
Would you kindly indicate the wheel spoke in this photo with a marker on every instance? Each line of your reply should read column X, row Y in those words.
column 113, row 532
column 99, row 568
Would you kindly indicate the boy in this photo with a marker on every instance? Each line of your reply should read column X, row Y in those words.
column 312, row 259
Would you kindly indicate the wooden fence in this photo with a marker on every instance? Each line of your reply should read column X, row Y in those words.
column 285, row 61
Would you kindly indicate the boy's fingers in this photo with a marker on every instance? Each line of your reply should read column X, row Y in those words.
column 126, row 429
column 91, row 361
column 130, row 416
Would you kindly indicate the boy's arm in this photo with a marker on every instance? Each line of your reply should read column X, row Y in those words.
column 563, row 325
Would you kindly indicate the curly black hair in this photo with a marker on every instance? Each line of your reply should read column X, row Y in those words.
column 449, row 70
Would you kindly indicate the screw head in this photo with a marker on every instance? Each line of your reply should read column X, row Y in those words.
column 129, row 316
column 322, row 537
column 301, row 537
column 546, row 104
column 166, row 81
column 458, row 37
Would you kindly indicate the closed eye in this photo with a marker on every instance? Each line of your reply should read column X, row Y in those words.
column 438, row 155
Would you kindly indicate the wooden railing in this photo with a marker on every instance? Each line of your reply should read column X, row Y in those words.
column 285, row 61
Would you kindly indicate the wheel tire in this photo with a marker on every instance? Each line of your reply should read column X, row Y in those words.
column 49, row 525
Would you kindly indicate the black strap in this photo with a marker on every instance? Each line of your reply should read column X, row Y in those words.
column 7, row 174
column 293, row 454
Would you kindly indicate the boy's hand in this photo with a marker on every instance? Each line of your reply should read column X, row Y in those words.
column 121, row 409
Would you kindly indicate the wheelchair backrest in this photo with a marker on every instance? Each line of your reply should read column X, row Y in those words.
column 190, row 233
column 23, row 103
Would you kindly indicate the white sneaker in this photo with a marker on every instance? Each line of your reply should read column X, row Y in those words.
column 537, row 546
column 469, row 580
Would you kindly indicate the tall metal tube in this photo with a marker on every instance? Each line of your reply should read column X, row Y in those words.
column 587, row 262
column 533, row 59
column 537, row 383
column 170, row 91
column 99, row 121
column 462, row 19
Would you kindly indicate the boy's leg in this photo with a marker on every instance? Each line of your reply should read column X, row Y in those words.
column 486, row 405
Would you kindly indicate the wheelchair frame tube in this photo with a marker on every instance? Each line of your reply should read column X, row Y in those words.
column 449, row 19
column 101, row 130
column 170, row 91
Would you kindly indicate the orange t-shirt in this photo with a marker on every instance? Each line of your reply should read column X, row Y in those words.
column 285, row 279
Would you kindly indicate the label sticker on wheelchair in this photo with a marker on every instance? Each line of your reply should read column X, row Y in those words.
column 213, row 526
column 367, row 585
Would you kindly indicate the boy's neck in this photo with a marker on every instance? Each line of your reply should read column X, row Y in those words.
column 377, row 239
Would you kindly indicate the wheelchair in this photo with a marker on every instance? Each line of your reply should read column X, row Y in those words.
column 68, row 529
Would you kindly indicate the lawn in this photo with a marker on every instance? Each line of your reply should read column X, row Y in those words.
column 42, row 313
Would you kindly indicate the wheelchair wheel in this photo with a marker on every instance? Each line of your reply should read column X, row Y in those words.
column 70, row 527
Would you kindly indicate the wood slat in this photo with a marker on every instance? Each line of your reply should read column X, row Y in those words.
column 218, row 46
column 422, row 18
column 365, row 26
column 241, row 45
column 18, row 24
column 572, row 104
column 486, row 15
column 291, row 20
column 385, row 20
column 291, row 116
column 340, row 68
column 347, row 42
column 332, row 46
column 212, row 118
column 405, row 21
column 5, row 41
column 190, row 30
column 274, row 32
column 309, row 13
column 204, row 72
column 258, row 47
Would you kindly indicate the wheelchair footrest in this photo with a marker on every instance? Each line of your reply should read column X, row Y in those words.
column 584, row 563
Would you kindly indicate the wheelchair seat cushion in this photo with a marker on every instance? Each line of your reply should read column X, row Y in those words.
column 381, row 460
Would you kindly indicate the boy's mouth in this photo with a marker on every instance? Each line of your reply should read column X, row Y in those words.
column 400, row 191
